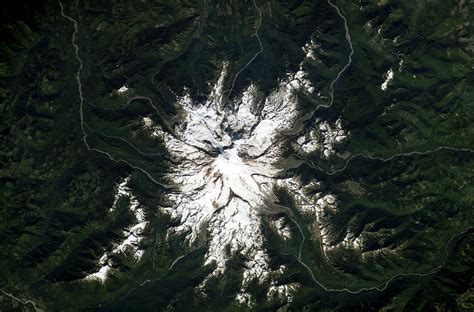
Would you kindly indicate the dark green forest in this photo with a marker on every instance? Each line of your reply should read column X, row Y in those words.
column 403, row 178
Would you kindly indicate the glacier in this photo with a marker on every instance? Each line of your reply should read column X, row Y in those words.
column 229, row 162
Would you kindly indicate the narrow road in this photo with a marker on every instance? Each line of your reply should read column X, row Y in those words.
column 81, row 105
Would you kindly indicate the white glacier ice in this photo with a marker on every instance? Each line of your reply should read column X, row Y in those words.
column 228, row 168
column 227, row 171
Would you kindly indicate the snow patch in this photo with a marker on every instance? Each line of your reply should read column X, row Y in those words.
column 282, row 228
column 388, row 77
column 323, row 138
column 122, row 89
column 282, row 291
column 309, row 49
